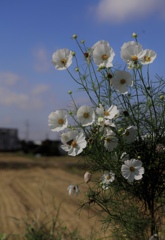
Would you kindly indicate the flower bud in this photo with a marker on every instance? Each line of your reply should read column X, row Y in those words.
column 87, row 177
column 102, row 138
column 74, row 36
column 73, row 54
column 120, row 130
column 134, row 35
column 148, row 136
column 161, row 97
column 70, row 92
column 125, row 113
column 109, row 75
column 86, row 54
column 82, row 41
column 100, row 68
column 77, row 69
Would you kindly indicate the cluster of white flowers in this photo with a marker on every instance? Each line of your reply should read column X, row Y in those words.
column 133, row 54
column 106, row 179
column 74, row 140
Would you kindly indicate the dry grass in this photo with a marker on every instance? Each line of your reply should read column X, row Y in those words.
column 30, row 187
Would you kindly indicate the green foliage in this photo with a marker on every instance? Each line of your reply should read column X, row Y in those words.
column 3, row 236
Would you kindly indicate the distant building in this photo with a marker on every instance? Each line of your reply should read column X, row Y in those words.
column 9, row 139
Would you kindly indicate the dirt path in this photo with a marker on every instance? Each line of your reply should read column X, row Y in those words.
column 31, row 190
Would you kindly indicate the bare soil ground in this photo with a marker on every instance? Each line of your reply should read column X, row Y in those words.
column 31, row 187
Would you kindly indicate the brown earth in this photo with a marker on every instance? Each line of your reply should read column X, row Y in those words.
column 36, row 188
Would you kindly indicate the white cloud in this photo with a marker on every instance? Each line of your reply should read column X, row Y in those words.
column 42, row 61
column 9, row 79
column 18, row 92
column 127, row 10
column 39, row 89
column 8, row 97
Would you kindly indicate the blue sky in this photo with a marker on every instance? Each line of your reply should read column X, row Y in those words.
column 30, row 31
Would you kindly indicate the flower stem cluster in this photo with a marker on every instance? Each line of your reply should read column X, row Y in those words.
column 111, row 132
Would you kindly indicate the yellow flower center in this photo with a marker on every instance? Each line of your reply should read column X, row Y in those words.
column 74, row 144
column 63, row 61
column 86, row 115
column 108, row 177
column 104, row 56
column 132, row 169
column 134, row 58
column 147, row 59
column 106, row 113
column 122, row 81
column 60, row 121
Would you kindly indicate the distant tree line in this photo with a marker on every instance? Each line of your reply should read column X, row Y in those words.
column 46, row 148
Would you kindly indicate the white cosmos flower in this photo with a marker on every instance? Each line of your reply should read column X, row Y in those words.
column 147, row 56
column 106, row 179
column 85, row 115
column 103, row 54
column 110, row 141
column 132, row 170
column 130, row 52
column 98, row 43
column 121, row 80
column 102, row 122
column 73, row 142
column 130, row 134
column 73, row 189
column 124, row 156
column 62, row 59
column 57, row 121
column 110, row 113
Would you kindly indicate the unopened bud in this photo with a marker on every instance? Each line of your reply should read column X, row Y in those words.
column 87, row 177
column 70, row 92
column 86, row 54
column 125, row 113
column 73, row 54
column 161, row 97
column 134, row 35
column 77, row 69
column 74, row 36
column 148, row 136
column 82, row 41
column 120, row 130
column 100, row 68
column 109, row 75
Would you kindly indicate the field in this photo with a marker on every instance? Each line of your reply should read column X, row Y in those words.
column 35, row 188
